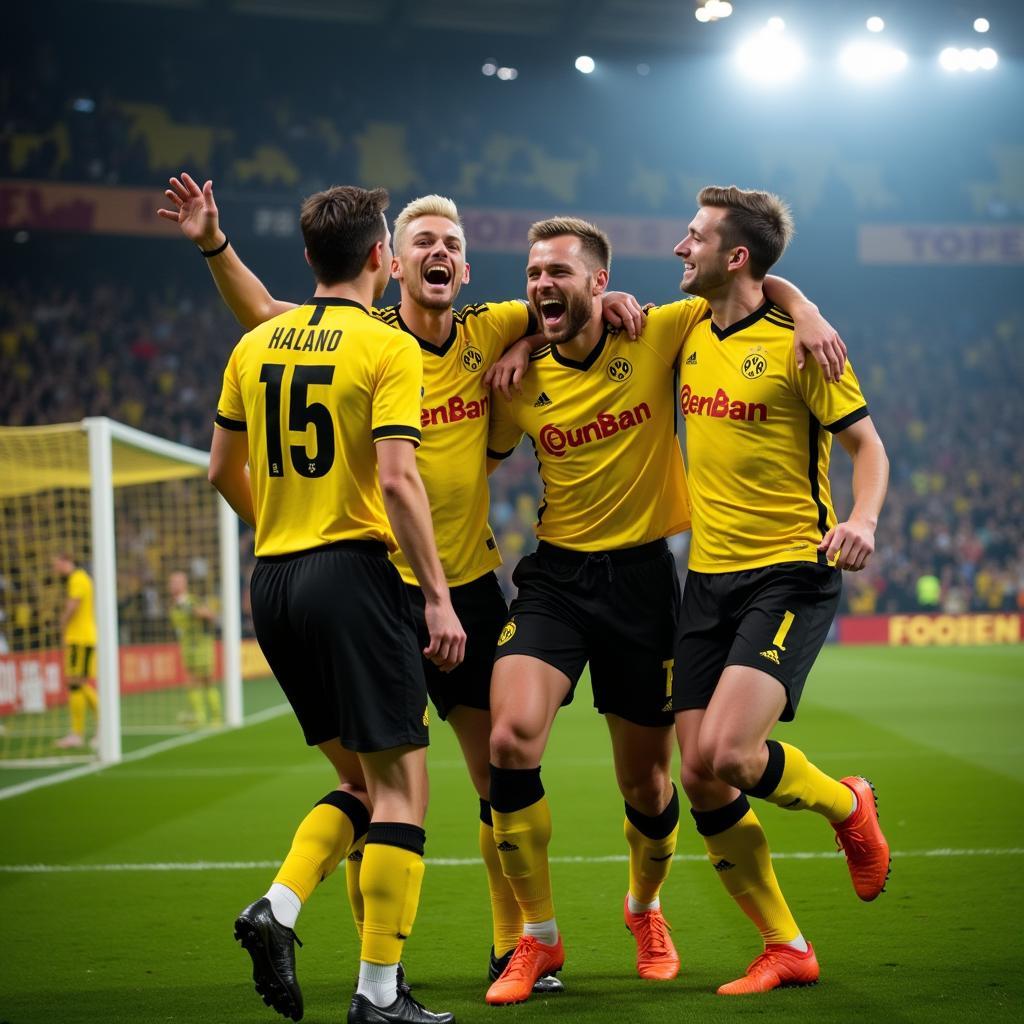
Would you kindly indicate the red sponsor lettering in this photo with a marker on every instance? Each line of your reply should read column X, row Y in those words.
column 720, row 406
column 555, row 439
column 454, row 410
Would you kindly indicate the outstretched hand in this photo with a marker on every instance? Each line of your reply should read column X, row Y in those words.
column 195, row 211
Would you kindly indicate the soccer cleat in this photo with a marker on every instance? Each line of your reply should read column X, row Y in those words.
column 404, row 1010
column 546, row 985
column 860, row 838
column 779, row 966
column 656, row 957
column 70, row 742
column 272, row 948
column 531, row 960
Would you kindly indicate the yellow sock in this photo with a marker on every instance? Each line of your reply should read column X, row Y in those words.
column 321, row 840
column 77, row 702
column 506, row 918
column 522, row 838
column 353, row 869
column 743, row 861
column 213, row 700
column 652, row 845
column 790, row 781
column 390, row 881
column 195, row 698
column 91, row 697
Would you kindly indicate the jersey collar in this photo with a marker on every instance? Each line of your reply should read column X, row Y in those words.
column 331, row 300
column 426, row 345
column 740, row 325
column 587, row 363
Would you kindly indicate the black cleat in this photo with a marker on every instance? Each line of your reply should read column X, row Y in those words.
column 404, row 1010
column 404, row 988
column 272, row 948
column 546, row 983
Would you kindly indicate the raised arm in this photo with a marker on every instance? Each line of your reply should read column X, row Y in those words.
column 195, row 212
column 813, row 332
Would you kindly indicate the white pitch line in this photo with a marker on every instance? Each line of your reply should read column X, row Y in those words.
column 461, row 862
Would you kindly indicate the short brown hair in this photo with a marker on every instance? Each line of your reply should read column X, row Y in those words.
column 761, row 221
column 340, row 226
column 594, row 241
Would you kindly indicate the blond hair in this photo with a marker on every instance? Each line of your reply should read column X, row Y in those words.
column 595, row 242
column 761, row 221
column 427, row 206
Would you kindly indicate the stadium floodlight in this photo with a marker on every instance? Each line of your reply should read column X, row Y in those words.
column 508, row 74
column 489, row 69
column 871, row 61
column 703, row 15
column 771, row 56
column 585, row 65
column 775, row 24
column 970, row 59
column 875, row 24
column 981, row 25
column 713, row 10
column 988, row 58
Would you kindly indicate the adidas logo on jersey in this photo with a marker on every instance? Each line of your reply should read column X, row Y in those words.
column 506, row 847
column 724, row 865
column 542, row 401
column 691, row 359
column 771, row 655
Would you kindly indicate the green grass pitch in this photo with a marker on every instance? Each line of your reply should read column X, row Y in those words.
column 140, row 870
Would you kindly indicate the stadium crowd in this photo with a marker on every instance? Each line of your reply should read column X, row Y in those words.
column 949, row 538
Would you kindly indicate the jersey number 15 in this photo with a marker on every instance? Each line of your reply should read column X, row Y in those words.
column 301, row 413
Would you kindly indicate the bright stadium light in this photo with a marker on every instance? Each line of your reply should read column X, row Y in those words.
column 875, row 24
column 981, row 25
column 988, row 58
column 970, row 59
column 717, row 9
column 775, row 25
column 508, row 74
column 585, row 65
column 771, row 56
column 950, row 59
column 489, row 68
column 870, row 61
column 703, row 15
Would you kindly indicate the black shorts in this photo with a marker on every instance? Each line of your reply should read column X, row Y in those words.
column 338, row 633
column 480, row 606
column 79, row 660
column 775, row 619
column 615, row 609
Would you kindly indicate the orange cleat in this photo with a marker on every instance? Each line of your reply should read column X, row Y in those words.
column 656, row 957
column 531, row 960
column 779, row 966
column 860, row 838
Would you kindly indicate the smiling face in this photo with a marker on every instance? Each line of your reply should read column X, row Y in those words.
column 431, row 262
column 705, row 262
column 561, row 285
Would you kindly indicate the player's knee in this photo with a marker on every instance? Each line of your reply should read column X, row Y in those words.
column 698, row 781
column 510, row 745
column 648, row 790
column 735, row 764
column 358, row 791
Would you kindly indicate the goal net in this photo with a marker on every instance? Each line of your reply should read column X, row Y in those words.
column 102, row 522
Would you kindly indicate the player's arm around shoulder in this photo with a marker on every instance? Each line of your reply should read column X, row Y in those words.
column 668, row 326
column 813, row 334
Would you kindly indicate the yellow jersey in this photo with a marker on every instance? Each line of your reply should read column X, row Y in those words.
column 604, row 432
column 454, row 421
column 81, row 627
column 758, row 439
column 316, row 388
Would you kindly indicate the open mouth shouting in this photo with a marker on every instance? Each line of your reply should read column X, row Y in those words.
column 552, row 311
column 438, row 275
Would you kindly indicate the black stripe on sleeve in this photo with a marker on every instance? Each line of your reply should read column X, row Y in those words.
column 531, row 321
column 848, row 420
column 813, row 427
column 229, row 424
column 396, row 430
column 491, row 454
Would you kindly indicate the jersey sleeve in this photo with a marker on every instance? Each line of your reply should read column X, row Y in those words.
column 835, row 406
column 398, row 389
column 668, row 326
column 504, row 323
column 78, row 586
column 504, row 434
column 230, row 407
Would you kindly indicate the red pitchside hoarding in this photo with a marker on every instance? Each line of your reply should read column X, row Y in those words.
column 932, row 630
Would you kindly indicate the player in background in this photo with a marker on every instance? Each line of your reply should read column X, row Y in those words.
column 78, row 636
column 601, row 587
column 193, row 624
column 329, row 608
column 765, row 569
column 458, row 348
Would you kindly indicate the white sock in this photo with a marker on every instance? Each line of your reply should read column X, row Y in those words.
column 546, row 931
column 284, row 904
column 636, row 907
column 855, row 805
column 378, row 982
column 799, row 943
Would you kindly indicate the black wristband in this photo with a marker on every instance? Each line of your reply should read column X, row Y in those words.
column 207, row 253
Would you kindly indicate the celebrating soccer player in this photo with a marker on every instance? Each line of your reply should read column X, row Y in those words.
column 765, row 561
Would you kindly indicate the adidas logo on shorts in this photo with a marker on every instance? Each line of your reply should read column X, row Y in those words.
column 506, row 847
column 724, row 865
column 771, row 655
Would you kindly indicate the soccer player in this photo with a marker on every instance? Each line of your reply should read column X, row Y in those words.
column 601, row 587
column 317, row 425
column 193, row 626
column 78, row 635
column 765, row 569
column 458, row 348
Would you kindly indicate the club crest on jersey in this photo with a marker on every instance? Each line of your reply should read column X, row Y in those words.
column 507, row 632
column 754, row 364
column 620, row 369
column 472, row 358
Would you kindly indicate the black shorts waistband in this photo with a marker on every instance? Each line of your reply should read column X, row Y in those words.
column 618, row 556
column 362, row 547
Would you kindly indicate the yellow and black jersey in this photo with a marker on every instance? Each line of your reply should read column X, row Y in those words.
column 453, row 420
column 316, row 388
column 81, row 627
column 758, row 437
column 605, row 436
